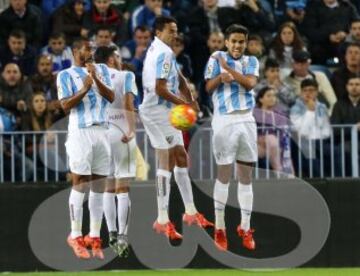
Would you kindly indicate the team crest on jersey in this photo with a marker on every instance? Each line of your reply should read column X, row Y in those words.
column 169, row 139
column 210, row 69
column 166, row 67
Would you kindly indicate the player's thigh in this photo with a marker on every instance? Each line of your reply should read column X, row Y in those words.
column 224, row 142
column 101, row 154
column 79, row 149
column 123, row 157
column 247, row 142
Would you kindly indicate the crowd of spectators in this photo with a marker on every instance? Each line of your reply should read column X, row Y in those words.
column 309, row 55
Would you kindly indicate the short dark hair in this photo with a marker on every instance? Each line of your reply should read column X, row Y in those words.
column 309, row 82
column 57, row 35
column 78, row 43
column 352, row 44
column 352, row 77
column 256, row 38
column 103, row 53
column 236, row 28
column 103, row 28
column 271, row 63
column 20, row 34
column 161, row 21
column 142, row 28
column 356, row 20
column 260, row 94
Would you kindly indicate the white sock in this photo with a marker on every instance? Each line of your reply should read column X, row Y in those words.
column 76, row 200
column 123, row 210
column 221, row 193
column 110, row 211
column 184, row 184
column 96, row 213
column 245, row 198
column 163, row 193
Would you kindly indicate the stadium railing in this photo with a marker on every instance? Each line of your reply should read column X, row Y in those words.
column 27, row 156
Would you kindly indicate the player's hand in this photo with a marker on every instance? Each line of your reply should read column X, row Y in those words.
column 223, row 63
column 21, row 105
column 194, row 104
column 128, row 137
column 226, row 77
column 88, row 82
column 90, row 67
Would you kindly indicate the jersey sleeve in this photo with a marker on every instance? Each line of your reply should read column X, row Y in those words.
column 130, row 84
column 163, row 65
column 64, row 85
column 212, row 68
column 253, row 67
column 105, row 76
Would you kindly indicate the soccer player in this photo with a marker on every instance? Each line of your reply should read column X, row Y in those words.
column 123, row 149
column 230, row 78
column 164, row 86
column 85, row 90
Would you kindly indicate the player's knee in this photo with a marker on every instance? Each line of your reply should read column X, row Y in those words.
column 180, row 157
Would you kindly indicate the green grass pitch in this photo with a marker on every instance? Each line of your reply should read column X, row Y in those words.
column 207, row 272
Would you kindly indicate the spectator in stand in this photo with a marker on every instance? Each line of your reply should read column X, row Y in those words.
column 351, row 67
column 354, row 33
column 301, row 72
column 61, row 54
column 284, row 93
column 273, row 128
column 311, row 123
column 347, row 111
column 255, row 47
column 215, row 42
column 39, row 118
column 13, row 90
column 182, row 59
column 23, row 16
column 68, row 19
column 44, row 80
column 145, row 14
column 286, row 41
column 325, row 25
column 103, row 37
column 17, row 51
column 126, row 7
column 49, row 7
column 104, row 13
column 295, row 10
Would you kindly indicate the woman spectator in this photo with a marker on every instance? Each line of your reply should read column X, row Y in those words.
column 68, row 19
column 39, row 118
column 273, row 138
column 286, row 41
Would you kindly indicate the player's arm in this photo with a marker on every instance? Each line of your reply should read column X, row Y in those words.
column 186, row 92
column 213, row 76
column 130, row 90
column 249, row 80
column 69, row 99
column 162, row 91
column 104, row 90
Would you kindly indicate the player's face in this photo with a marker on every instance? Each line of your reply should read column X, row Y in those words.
column 269, row 99
column 168, row 34
column 287, row 36
column 355, row 30
column 309, row 93
column 103, row 38
column 102, row 5
column 11, row 74
column 57, row 45
column 16, row 45
column 84, row 54
column 116, row 60
column 236, row 44
column 272, row 73
column 44, row 66
column 352, row 56
column 39, row 104
column 353, row 87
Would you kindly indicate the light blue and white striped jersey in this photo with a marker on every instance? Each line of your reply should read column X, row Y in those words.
column 93, row 107
column 124, row 82
column 159, row 63
column 232, row 96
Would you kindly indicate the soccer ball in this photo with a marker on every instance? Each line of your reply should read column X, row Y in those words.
column 182, row 117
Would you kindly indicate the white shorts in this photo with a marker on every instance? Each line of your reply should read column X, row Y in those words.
column 88, row 150
column 161, row 133
column 234, row 138
column 123, row 155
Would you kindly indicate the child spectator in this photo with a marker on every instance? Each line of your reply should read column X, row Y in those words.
column 255, row 47
column 285, row 94
column 17, row 51
column 61, row 54
column 273, row 130
column 103, row 38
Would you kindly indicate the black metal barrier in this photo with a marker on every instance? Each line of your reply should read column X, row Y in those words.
column 275, row 235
